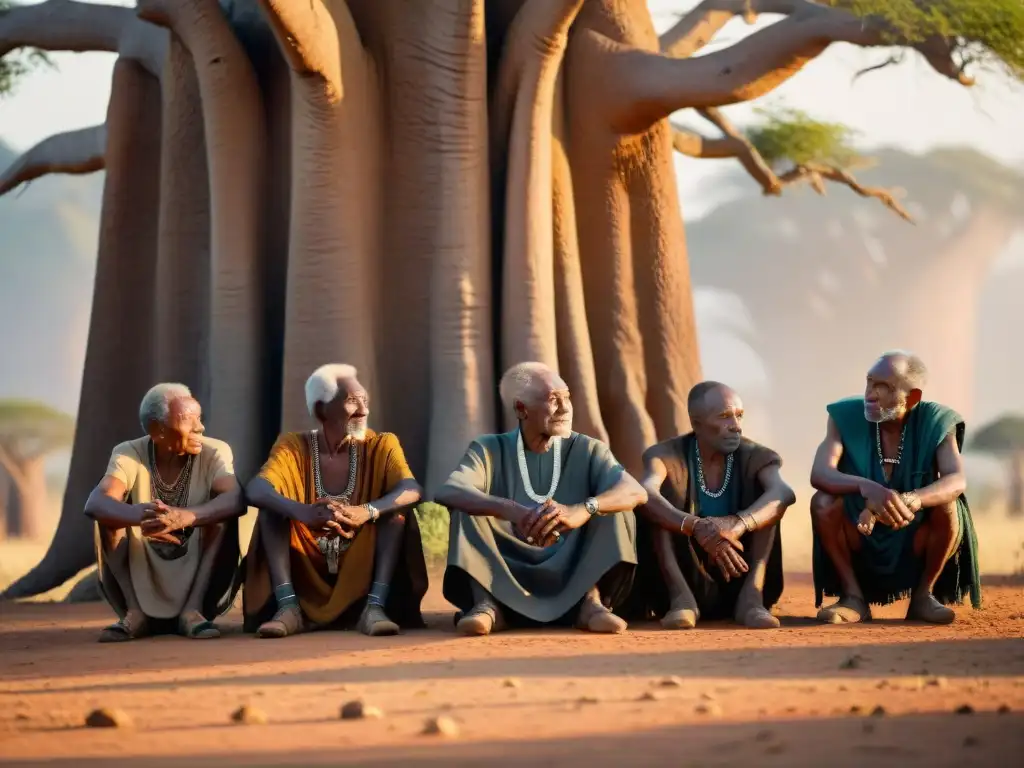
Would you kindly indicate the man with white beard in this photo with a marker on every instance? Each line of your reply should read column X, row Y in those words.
column 542, row 526
column 336, row 534
column 890, row 516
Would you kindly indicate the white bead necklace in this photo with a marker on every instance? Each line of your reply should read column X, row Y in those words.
column 524, row 470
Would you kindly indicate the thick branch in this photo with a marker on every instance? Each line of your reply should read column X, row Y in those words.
column 308, row 38
column 652, row 86
column 698, row 27
column 76, row 152
column 67, row 25
column 816, row 175
column 692, row 144
column 11, row 467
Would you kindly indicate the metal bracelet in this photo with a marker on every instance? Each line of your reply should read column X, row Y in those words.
column 374, row 512
column 748, row 521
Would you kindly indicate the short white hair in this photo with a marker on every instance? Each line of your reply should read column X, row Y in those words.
column 322, row 385
column 156, row 404
column 915, row 374
column 519, row 381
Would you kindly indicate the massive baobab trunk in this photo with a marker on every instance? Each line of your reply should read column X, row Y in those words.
column 396, row 139
column 26, row 496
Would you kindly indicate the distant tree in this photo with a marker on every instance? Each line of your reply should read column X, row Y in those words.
column 18, row 63
column 29, row 431
column 1004, row 438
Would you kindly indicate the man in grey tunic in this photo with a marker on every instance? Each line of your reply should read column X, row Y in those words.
column 542, row 527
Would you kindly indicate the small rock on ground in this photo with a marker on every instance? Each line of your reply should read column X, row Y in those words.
column 708, row 708
column 441, row 726
column 512, row 682
column 359, row 710
column 671, row 682
column 246, row 715
column 108, row 718
column 964, row 709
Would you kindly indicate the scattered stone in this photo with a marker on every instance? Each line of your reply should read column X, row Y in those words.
column 1004, row 709
column 706, row 697
column 964, row 709
column 843, row 689
column 855, row 709
column 710, row 709
column 650, row 696
column 938, row 682
column 878, row 711
column 970, row 741
column 588, row 700
column 882, row 685
column 441, row 726
column 671, row 682
column 447, row 706
column 852, row 662
column 108, row 718
column 23, row 716
column 512, row 682
column 246, row 715
column 359, row 710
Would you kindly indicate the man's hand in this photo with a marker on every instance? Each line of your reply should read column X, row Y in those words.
column 159, row 521
column 728, row 559
column 720, row 538
column 321, row 518
column 552, row 519
column 887, row 505
column 350, row 517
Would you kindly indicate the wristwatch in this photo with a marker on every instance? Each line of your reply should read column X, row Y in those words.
column 592, row 506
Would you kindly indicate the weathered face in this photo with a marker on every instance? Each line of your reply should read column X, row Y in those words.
column 720, row 421
column 349, row 410
column 548, row 410
column 183, row 429
column 886, row 397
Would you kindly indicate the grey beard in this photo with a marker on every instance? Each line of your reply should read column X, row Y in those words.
column 357, row 433
column 884, row 415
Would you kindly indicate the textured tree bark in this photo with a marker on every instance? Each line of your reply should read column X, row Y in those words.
column 73, row 152
column 26, row 501
column 183, row 250
column 119, row 361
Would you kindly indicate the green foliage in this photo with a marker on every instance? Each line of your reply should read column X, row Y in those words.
column 792, row 135
column 433, row 522
column 17, row 64
column 1001, row 436
column 30, row 428
column 985, row 31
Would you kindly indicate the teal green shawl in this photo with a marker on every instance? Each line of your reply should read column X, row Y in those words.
column 886, row 566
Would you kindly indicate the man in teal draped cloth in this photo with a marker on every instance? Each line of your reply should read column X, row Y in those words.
column 542, row 526
column 890, row 516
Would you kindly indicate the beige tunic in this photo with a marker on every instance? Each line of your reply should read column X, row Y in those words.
column 162, row 586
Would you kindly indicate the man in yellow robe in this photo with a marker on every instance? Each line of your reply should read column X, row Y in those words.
column 336, row 533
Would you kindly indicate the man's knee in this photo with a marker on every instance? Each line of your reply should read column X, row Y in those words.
column 212, row 535
column 826, row 508
column 270, row 523
column 944, row 518
column 112, row 538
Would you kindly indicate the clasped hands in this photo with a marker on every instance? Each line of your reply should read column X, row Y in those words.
column 332, row 518
column 720, row 538
column 159, row 521
column 884, row 505
column 545, row 523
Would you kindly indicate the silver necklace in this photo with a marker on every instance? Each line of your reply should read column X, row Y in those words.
column 172, row 494
column 899, row 451
column 700, row 476
column 331, row 547
column 524, row 470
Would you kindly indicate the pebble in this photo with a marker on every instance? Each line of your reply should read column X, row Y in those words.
column 588, row 700
column 855, row 709
column 706, row 697
column 964, row 709
column 938, row 682
column 246, row 715
column 512, row 682
column 711, row 709
column 649, row 696
column 1004, row 709
column 441, row 726
column 359, row 710
column 671, row 682
column 878, row 711
column 108, row 718
column 852, row 662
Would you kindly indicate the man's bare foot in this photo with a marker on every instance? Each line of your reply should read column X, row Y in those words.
column 287, row 621
column 375, row 623
column 594, row 617
column 482, row 620
column 131, row 627
column 924, row 607
column 849, row 609
column 194, row 625
column 681, row 614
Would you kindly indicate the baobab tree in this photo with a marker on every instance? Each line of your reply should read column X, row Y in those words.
column 1004, row 438
column 429, row 191
column 29, row 432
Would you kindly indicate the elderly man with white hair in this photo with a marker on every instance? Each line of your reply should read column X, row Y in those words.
column 336, row 536
column 167, row 531
column 542, row 527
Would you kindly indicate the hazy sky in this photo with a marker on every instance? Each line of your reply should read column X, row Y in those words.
column 907, row 106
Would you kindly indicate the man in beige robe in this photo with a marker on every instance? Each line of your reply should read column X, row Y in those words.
column 542, row 527
column 167, row 530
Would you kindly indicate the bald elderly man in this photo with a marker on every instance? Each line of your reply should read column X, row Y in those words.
column 890, row 515
column 708, row 537
column 542, row 527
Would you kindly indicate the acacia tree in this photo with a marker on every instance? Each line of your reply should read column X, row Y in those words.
column 29, row 432
column 1004, row 438
column 429, row 191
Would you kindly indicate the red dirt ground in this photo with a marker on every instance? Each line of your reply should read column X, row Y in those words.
column 544, row 698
